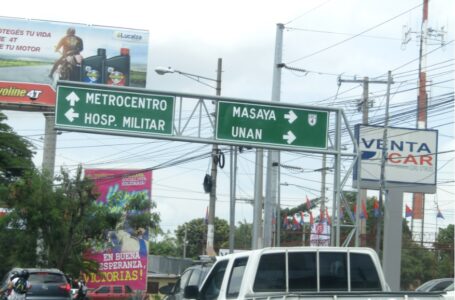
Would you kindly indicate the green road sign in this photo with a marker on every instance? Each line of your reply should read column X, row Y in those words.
column 121, row 110
column 292, row 127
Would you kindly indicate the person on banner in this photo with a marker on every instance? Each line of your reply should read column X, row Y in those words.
column 126, row 239
column 69, row 46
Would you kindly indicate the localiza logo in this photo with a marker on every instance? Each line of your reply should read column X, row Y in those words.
column 398, row 152
column 129, row 36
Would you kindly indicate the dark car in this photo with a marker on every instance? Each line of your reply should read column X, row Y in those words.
column 193, row 275
column 435, row 285
column 46, row 284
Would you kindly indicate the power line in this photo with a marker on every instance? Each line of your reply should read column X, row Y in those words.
column 307, row 12
column 343, row 33
column 354, row 36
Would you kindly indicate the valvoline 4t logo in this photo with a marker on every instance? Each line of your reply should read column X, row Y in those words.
column 91, row 75
column 27, row 93
column 116, row 78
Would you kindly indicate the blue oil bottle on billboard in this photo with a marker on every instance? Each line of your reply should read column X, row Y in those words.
column 92, row 70
column 117, row 69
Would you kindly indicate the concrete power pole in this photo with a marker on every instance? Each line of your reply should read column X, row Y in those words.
column 210, row 249
column 50, row 141
column 256, row 242
column 273, row 164
column 364, row 107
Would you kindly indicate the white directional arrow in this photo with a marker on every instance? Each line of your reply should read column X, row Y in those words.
column 291, row 116
column 290, row 137
column 71, row 115
column 72, row 98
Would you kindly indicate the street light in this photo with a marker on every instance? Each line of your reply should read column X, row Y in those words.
column 213, row 174
column 169, row 70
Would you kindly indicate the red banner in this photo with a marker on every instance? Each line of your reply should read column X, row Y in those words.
column 123, row 255
column 27, row 95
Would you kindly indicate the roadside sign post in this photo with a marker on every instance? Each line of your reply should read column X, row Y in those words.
column 271, row 125
column 122, row 111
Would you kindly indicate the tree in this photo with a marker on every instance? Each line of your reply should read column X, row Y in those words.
column 166, row 247
column 243, row 235
column 15, row 153
column 197, row 233
column 68, row 219
column 444, row 251
column 139, row 214
column 417, row 262
column 15, row 156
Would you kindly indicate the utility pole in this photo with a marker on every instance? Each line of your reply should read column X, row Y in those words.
column 364, row 106
column 233, row 181
column 210, row 249
column 185, row 241
column 48, row 166
column 50, row 141
column 256, row 242
column 418, row 199
column 383, row 190
column 323, row 174
column 426, row 35
column 273, row 164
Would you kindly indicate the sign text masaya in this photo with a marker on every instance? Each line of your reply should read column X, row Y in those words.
column 271, row 125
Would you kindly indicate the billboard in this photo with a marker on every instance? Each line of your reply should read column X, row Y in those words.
column 411, row 158
column 123, row 255
column 320, row 234
column 34, row 53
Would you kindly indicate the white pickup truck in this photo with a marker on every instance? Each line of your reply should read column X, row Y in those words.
column 299, row 273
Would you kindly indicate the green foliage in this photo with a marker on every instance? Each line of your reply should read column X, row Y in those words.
column 243, row 235
column 417, row 262
column 444, row 251
column 197, row 236
column 66, row 217
column 137, row 78
column 15, row 155
column 4, row 63
column 166, row 247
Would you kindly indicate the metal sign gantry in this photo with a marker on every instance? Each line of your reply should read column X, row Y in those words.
column 208, row 119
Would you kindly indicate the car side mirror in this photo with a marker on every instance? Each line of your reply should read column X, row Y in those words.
column 191, row 292
column 166, row 290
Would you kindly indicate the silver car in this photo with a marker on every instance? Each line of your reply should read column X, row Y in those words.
column 46, row 284
column 435, row 285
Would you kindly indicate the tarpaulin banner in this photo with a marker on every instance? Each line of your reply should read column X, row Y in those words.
column 43, row 52
column 123, row 255
column 320, row 234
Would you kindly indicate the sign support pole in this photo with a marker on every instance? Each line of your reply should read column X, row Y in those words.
column 391, row 258
column 273, row 155
column 210, row 248
column 50, row 141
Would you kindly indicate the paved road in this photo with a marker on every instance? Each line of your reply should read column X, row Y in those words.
column 34, row 74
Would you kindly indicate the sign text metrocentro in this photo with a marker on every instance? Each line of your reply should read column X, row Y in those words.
column 138, row 112
column 272, row 125
column 105, row 109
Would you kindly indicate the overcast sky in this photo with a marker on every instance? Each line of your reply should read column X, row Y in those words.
column 321, row 37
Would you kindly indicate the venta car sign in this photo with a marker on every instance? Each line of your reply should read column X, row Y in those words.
column 411, row 155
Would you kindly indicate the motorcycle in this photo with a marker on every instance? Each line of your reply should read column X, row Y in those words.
column 68, row 69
